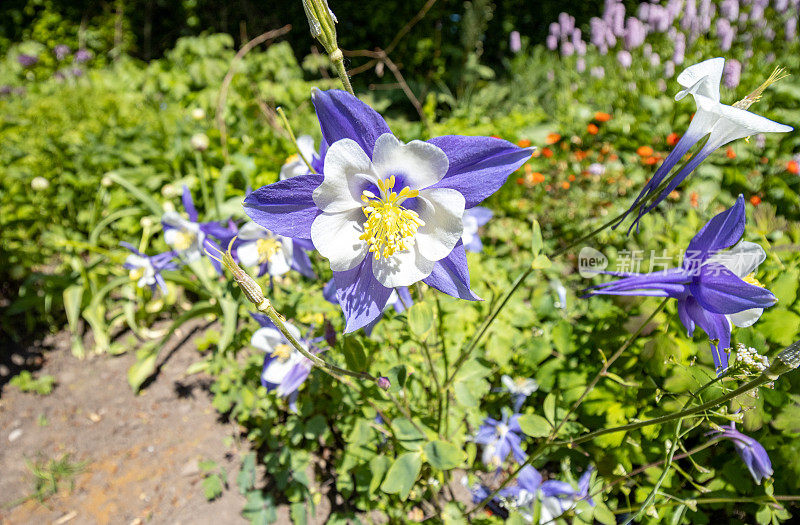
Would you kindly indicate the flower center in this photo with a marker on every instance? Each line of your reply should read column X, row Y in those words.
column 136, row 274
column 751, row 279
column 267, row 248
column 184, row 240
column 389, row 226
column 292, row 158
column 282, row 352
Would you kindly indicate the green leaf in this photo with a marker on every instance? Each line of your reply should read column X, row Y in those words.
column 143, row 368
column 541, row 262
column 420, row 319
column 534, row 426
column 230, row 316
column 536, row 239
column 604, row 515
column 260, row 508
column 780, row 325
column 354, row 354
column 402, row 474
column 378, row 467
column 137, row 192
column 549, row 408
column 407, row 433
column 212, row 487
column 444, row 455
column 246, row 479
column 562, row 333
column 298, row 513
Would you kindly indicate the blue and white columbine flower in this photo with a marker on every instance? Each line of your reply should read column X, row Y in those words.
column 559, row 496
column 751, row 451
column 720, row 123
column 188, row 236
column 474, row 218
column 400, row 299
column 519, row 388
column 146, row 270
column 713, row 288
column 499, row 439
column 273, row 254
column 384, row 213
column 295, row 166
column 285, row 369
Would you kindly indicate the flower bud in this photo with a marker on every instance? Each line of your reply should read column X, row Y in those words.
column 321, row 22
column 384, row 383
column 199, row 141
column 198, row 114
column 40, row 183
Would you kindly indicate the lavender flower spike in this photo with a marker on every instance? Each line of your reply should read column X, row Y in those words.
column 714, row 289
column 751, row 451
column 722, row 124
column 384, row 213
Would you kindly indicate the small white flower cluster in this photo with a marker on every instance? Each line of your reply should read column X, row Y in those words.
column 750, row 360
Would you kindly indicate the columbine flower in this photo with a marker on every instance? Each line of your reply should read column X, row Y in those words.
column 519, row 388
column 473, row 219
column 384, row 213
column 187, row 237
column 751, row 451
column 722, row 124
column 559, row 496
column 146, row 270
column 295, row 166
column 285, row 369
column 400, row 299
column 273, row 254
column 499, row 439
column 713, row 288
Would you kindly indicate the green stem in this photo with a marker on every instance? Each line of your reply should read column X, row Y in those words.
column 294, row 140
column 711, row 501
column 201, row 175
column 338, row 64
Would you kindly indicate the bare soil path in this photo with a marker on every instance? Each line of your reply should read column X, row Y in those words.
column 140, row 453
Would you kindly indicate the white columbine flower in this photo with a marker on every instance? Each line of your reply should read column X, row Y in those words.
column 294, row 165
column 183, row 236
column 402, row 222
column 261, row 247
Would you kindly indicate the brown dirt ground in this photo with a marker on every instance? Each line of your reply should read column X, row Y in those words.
column 140, row 452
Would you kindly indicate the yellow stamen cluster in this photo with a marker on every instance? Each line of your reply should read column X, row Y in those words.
column 748, row 101
column 292, row 158
column 282, row 352
column 751, row 279
column 136, row 274
column 389, row 226
column 184, row 240
column 267, row 248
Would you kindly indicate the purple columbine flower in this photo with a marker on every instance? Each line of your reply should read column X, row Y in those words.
column 273, row 254
column 713, row 289
column 520, row 389
column 384, row 213
column 146, row 270
column 285, row 369
column 27, row 60
column 61, row 51
column 523, row 492
column 295, row 166
column 721, row 123
column 188, row 237
column 515, row 42
column 559, row 496
column 474, row 218
column 499, row 439
column 400, row 299
column 751, row 451
column 82, row 55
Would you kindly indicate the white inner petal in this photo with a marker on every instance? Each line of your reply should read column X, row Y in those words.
column 402, row 268
column 348, row 172
column 336, row 237
column 442, row 210
column 418, row 164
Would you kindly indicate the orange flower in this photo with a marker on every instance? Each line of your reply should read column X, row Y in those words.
column 520, row 181
column 673, row 139
column 565, row 185
column 524, row 143
column 548, row 187
column 537, row 177
column 674, row 195
column 755, row 200
column 581, row 155
column 552, row 138
column 793, row 167
column 592, row 129
column 644, row 151
column 613, row 156
column 571, row 178
column 695, row 199
column 600, row 116
column 547, row 152
column 730, row 153
column 650, row 160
